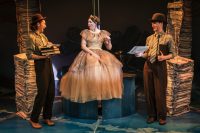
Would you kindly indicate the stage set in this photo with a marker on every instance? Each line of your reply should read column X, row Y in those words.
column 126, row 115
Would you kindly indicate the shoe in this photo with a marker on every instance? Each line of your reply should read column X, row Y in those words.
column 49, row 122
column 162, row 122
column 151, row 120
column 35, row 125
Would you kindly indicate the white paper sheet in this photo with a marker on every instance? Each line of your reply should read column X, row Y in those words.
column 138, row 49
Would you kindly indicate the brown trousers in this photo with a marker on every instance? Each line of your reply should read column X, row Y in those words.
column 46, row 90
column 155, row 85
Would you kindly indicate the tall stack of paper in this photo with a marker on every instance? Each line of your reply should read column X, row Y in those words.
column 23, row 17
column 25, row 83
column 179, row 19
column 185, row 46
column 180, row 75
column 174, row 20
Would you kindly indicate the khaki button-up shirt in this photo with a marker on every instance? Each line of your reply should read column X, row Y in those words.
column 34, row 42
column 159, row 40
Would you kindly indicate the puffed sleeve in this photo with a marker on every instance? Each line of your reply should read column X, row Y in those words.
column 84, row 33
column 105, row 33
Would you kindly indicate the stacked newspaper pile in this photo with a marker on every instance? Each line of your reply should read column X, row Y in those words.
column 175, row 19
column 179, row 25
column 180, row 75
column 25, row 84
column 50, row 50
column 24, row 20
column 185, row 38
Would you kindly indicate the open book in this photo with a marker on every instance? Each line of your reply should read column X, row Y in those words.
column 138, row 49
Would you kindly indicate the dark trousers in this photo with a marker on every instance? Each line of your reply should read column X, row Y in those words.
column 46, row 90
column 155, row 85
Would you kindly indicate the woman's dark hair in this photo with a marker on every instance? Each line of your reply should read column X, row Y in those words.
column 95, row 19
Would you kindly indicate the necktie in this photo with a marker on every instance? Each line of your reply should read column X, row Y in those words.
column 154, row 50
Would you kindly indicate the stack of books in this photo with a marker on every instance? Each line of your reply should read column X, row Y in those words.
column 52, row 49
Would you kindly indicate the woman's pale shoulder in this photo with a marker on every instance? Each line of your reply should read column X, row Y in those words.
column 85, row 31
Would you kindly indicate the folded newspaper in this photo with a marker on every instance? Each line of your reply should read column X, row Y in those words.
column 138, row 49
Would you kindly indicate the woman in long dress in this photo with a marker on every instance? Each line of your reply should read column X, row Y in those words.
column 95, row 73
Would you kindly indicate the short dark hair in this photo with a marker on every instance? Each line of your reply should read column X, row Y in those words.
column 158, row 17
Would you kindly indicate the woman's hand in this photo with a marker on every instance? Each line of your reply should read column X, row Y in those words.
column 107, row 39
column 96, row 56
column 107, row 42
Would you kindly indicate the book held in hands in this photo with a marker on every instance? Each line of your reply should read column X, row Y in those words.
column 50, row 49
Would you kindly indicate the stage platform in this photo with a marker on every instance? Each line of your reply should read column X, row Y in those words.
column 136, row 123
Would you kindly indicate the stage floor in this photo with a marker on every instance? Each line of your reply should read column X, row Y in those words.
column 189, row 122
column 11, row 123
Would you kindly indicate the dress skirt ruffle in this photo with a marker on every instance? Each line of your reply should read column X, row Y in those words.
column 91, row 79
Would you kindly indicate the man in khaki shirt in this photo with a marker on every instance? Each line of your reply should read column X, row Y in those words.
column 160, row 48
column 44, row 73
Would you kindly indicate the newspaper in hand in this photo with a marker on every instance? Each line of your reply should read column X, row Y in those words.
column 138, row 49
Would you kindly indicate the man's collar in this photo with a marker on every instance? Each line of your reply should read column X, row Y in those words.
column 159, row 33
column 37, row 33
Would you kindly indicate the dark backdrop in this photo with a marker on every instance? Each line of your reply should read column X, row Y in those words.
column 114, row 14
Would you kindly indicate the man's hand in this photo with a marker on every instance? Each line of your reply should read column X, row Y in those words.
column 139, row 54
column 161, row 57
